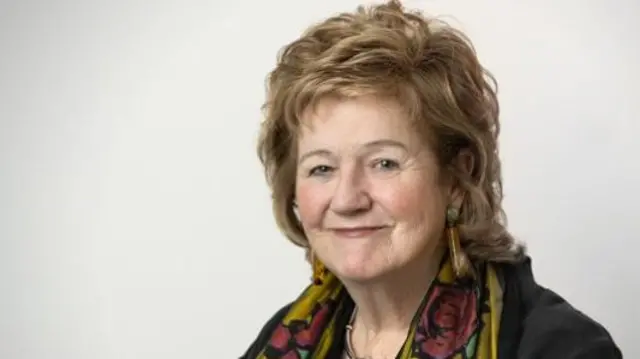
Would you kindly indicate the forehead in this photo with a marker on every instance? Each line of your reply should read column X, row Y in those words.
column 343, row 121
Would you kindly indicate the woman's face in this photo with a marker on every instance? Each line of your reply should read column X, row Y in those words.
column 368, row 190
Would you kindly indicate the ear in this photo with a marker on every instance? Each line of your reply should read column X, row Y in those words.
column 463, row 163
column 294, row 207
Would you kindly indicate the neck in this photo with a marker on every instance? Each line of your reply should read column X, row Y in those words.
column 389, row 304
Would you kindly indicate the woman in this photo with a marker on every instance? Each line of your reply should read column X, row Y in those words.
column 380, row 147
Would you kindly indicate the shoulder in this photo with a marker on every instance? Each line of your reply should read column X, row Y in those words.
column 264, row 333
column 547, row 325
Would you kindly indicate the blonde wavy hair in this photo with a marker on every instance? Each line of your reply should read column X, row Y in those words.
column 428, row 67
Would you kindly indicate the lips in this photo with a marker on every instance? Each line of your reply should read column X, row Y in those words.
column 356, row 232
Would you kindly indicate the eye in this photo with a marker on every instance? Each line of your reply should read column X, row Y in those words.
column 320, row 170
column 386, row 164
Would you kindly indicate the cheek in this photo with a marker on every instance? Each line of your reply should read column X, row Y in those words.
column 417, row 200
column 311, row 204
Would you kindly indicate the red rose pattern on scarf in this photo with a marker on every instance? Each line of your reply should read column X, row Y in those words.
column 448, row 323
column 296, row 339
column 456, row 320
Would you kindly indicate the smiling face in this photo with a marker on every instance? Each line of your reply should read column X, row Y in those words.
column 368, row 190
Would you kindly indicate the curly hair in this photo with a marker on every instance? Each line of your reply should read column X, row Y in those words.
column 426, row 65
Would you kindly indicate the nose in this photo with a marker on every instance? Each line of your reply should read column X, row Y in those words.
column 350, row 196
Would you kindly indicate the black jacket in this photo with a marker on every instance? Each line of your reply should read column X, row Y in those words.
column 536, row 324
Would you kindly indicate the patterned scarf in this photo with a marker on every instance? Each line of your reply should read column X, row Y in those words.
column 458, row 319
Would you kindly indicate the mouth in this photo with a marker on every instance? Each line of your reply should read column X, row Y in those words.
column 357, row 232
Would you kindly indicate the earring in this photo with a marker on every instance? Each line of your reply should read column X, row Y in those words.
column 319, row 271
column 459, row 260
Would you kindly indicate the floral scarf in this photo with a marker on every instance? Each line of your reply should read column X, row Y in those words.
column 458, row 319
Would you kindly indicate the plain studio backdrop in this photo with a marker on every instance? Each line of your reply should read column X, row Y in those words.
column 135, row 222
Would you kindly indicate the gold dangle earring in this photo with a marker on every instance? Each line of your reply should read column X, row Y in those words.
column 319, row 270
column 459, row 260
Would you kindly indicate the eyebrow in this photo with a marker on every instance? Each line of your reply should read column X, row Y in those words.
column 369, row 145
column 386, row 143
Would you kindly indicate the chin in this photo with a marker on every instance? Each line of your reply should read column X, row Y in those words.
column 359, row 270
